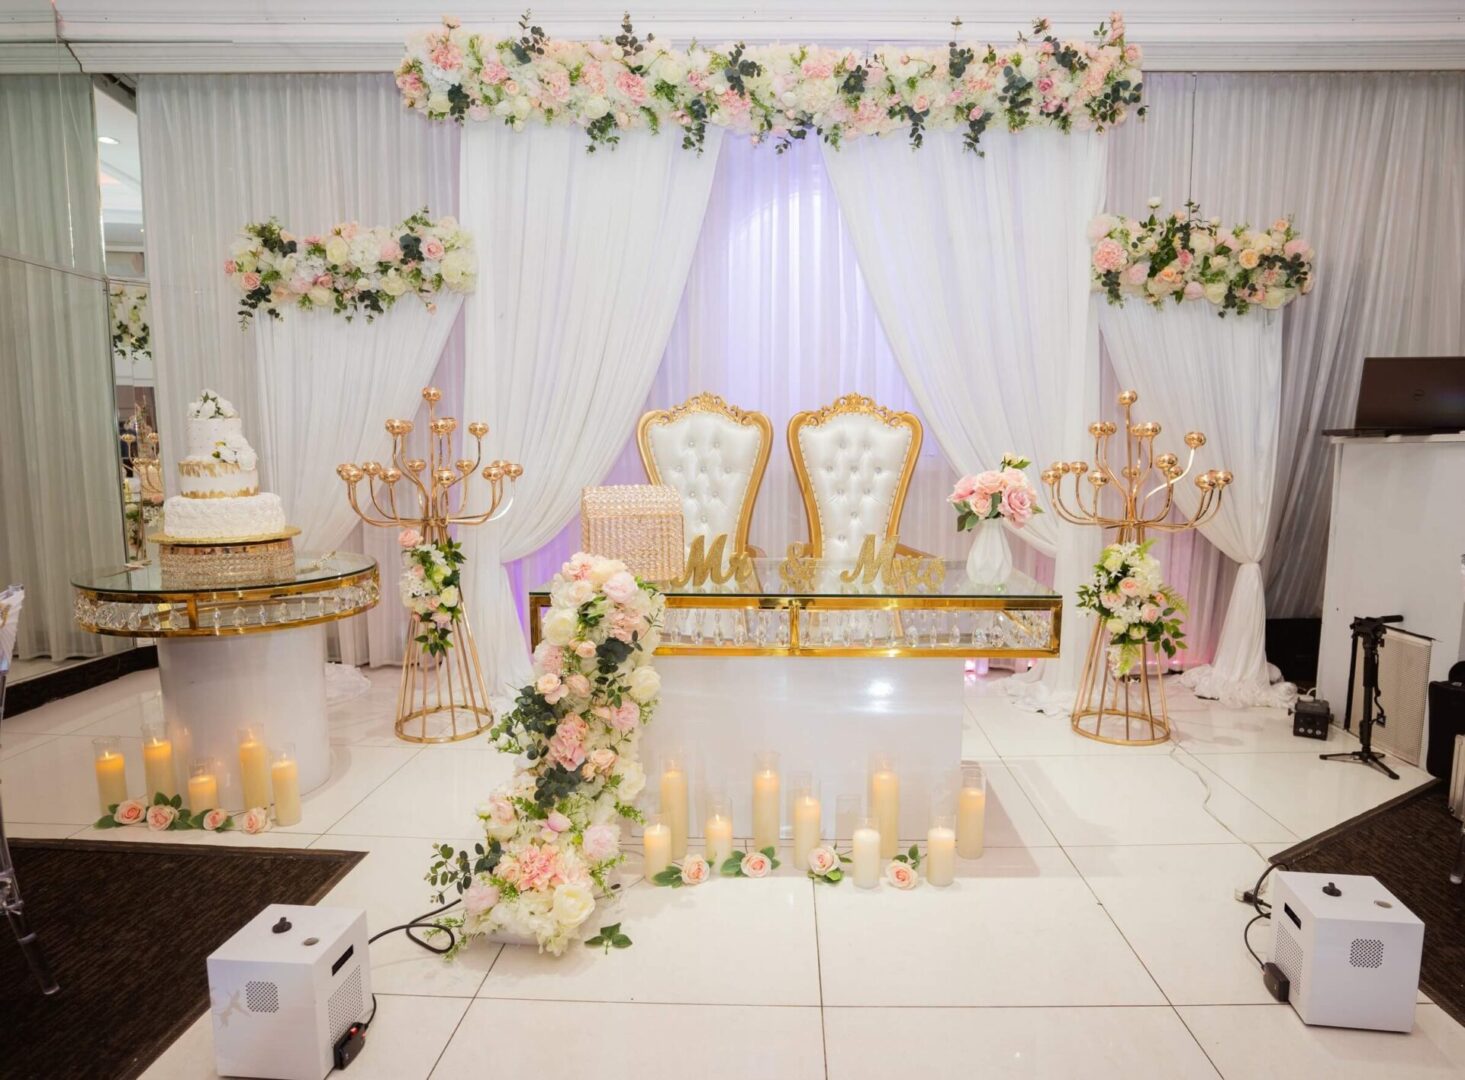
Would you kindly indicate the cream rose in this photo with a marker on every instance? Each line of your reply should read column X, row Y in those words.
column 644, row 684
column 320, row 296
column 457, row 269
column 822, row 861
column 161, row 817
column 130, row 812
column 560, row 626
column 393, row 284
column 215, row 820
column 756, row 865
column 1248, row 258
column 255, row 821
column 337, row 249
column 1216, row 292
column 695, row 870
column 902, row 875
column 573, row 904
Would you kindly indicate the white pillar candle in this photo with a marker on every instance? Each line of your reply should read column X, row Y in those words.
column 203, row 789
column 718, row 828
column 657, row 839
column 111, row 768
column 971, row 813
column 885, row 807
column 765, row 803
column 285, row 780
column 941, row 854
column 157, row 760
column 866, row 852
column 674, row 808
column 806, row 829
column 254, row 770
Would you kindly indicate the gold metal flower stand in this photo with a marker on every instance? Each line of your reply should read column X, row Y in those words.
column 448, row 690
column 1114, row 708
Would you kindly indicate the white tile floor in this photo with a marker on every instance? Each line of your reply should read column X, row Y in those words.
column 1096, row 937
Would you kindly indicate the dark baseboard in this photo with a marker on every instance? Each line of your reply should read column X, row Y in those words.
column 32, row 693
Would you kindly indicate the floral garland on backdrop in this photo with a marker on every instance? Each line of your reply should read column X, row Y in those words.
column 552, row 834
column 349, row 269
column 1137, row 607
column 780, row 92
column 1181, row 257
column 131, row 334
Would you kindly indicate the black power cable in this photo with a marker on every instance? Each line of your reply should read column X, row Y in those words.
column 408, row 928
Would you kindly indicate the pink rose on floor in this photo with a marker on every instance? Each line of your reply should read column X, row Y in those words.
column 215, row 820
column 601, row 842
column 1194, row 290
column 822, row 861
column 432, row 248
column 620, row 587
column 409, row 538
column 1017, row 505
column 130, row 812
column 250, row 281
column 161, row 817
column 584, row 649
column 479, row 898
column 625, row 716
column 578, row 685
column 756, row 865
column 1109, row 254
column 557, row 822
column 1130, row 587
column 695, row 870
column 255, row 821
column 228, row 266
column 902, row 875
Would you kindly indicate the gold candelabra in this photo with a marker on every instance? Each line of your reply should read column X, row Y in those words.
column 1104, row 695
column 431, row 494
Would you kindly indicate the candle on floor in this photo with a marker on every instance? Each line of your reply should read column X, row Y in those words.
column 285, row 780
column 941, row 852
column 866, row 852
column 203, row 787
column 657, row 839
column 717, row 828
column 971, row 812
column 805, row 814
column 254, row 769
column 885, row 803
column 111, row 769
column 157, row 759
column 674, row 811
column 765, row 801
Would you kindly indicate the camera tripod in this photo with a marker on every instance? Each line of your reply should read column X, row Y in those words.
column 1370, row 633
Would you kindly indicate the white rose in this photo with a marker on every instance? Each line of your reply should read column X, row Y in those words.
column 394, row 284
column 633, row 780
column 337, row 249
column 320, row 296
column 559, row 628
column 457, row 269
column 438, row 103
column 595, row 107
column 1216, row 292
column 449, row 596
column 1275, row 299
column 644, row 684
column 573, row 904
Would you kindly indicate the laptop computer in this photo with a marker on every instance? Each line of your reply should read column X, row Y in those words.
column 1409, row 395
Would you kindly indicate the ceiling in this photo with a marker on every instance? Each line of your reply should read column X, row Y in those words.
column 365, row 35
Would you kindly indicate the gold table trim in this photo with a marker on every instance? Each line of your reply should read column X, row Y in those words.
column 223, row 541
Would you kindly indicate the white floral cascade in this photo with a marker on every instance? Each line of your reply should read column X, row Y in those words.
column 552, row 834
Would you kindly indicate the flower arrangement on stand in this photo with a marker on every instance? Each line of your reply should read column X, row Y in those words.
column 349, row 269
column 777, row 92
column 552, row 834
column 983, row 502
column 1181, row 256
column 430, row 589
column 1128, row 594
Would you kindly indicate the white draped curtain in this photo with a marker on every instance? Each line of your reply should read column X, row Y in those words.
column 1221, row 376
column 590, row 254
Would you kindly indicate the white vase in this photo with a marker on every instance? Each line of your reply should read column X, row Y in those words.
column 990, row 560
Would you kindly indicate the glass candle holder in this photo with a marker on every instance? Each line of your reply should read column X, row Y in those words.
column 203, row 786
column 157, row 759
column 865, row 853
column 717, row 827
column 657, row 841
column 804, row 812
column 766, row 785
column 111, row 770
column 971, row 812
column 885, row 802
column 285, row 783
column 848, row 810
column 254, row 768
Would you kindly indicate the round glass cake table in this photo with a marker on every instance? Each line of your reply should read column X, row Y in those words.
column 246, row 654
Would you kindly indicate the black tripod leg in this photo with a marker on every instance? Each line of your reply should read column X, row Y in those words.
column 31, row 947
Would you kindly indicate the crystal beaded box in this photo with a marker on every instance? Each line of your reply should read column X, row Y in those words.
column 640, row 524
column 195, row 565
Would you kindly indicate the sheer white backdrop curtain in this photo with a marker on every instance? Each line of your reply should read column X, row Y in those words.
column 1223, row 376
column 311, row 150
column 979, row 268
column 590, row 254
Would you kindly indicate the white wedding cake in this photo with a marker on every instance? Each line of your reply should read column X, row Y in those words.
column 221, row 499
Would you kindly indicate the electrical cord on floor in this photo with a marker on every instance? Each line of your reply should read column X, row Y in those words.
column 407, row 928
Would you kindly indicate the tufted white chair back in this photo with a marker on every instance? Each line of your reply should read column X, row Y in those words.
column 714, row 454
column 854, row 461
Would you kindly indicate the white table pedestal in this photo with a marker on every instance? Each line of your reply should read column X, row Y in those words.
column 824, row 716
column 274, row 681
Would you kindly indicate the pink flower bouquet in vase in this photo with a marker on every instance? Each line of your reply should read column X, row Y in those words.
column 983, row 502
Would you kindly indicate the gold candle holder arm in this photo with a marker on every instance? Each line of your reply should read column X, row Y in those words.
column 352, row 475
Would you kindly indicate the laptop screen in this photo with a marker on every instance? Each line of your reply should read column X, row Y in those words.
column 1412, row 393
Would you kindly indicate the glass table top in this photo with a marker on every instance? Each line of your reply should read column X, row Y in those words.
column 310, row 570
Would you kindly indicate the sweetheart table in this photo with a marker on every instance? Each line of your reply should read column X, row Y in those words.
column 827, row 672
column 235, row 656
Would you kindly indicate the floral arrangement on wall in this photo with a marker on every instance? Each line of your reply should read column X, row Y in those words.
column 1137, row 607
column 552, row 834
column 1180, row 256
column 131, row 334
column 777, row 92
column 349, row 269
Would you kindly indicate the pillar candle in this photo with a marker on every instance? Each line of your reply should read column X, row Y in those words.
column 657, row 839
column 157, row 766
column 674, row 808
column 111, row 779
column 285, row 780
column 806, row 829
column 765, row 809
column 718, row 828
column 885, row 806
column 971, row 812
column 203, row 791
column 866, row 845
column 254, row 771
column 941, row 855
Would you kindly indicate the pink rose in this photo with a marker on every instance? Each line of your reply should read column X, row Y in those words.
column 130, row 812
column 604, row 759
column 549, row 658
column 215, row 820
column 822, row 861
column 250, row 281
column 578, row 685
column 1149, row 613
column 625, row 716
column 479, row 898
column 1298, row 246
column 161, row 817
column 1130, row 587
column 495, row 73
column 1136, row 274
column 255, row 821
column 584, row 649
column 567, row 744
column 228, row 266
column 601, row 842
column 409, row 538
column 965, row 488
column 695, row 870
column 389, row 251
column 1159, row 598
column 902, row 875
column 632, row 86
column 442, row 620
column 1109, row 255
column 416, row 572
column 557, row 822
column 620, row 587
column 1017, row 505
column 1112, row 601
column 551, row 688
column 756, row 865
column 1194, row 290
column 432, row 248
column 446, row 56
